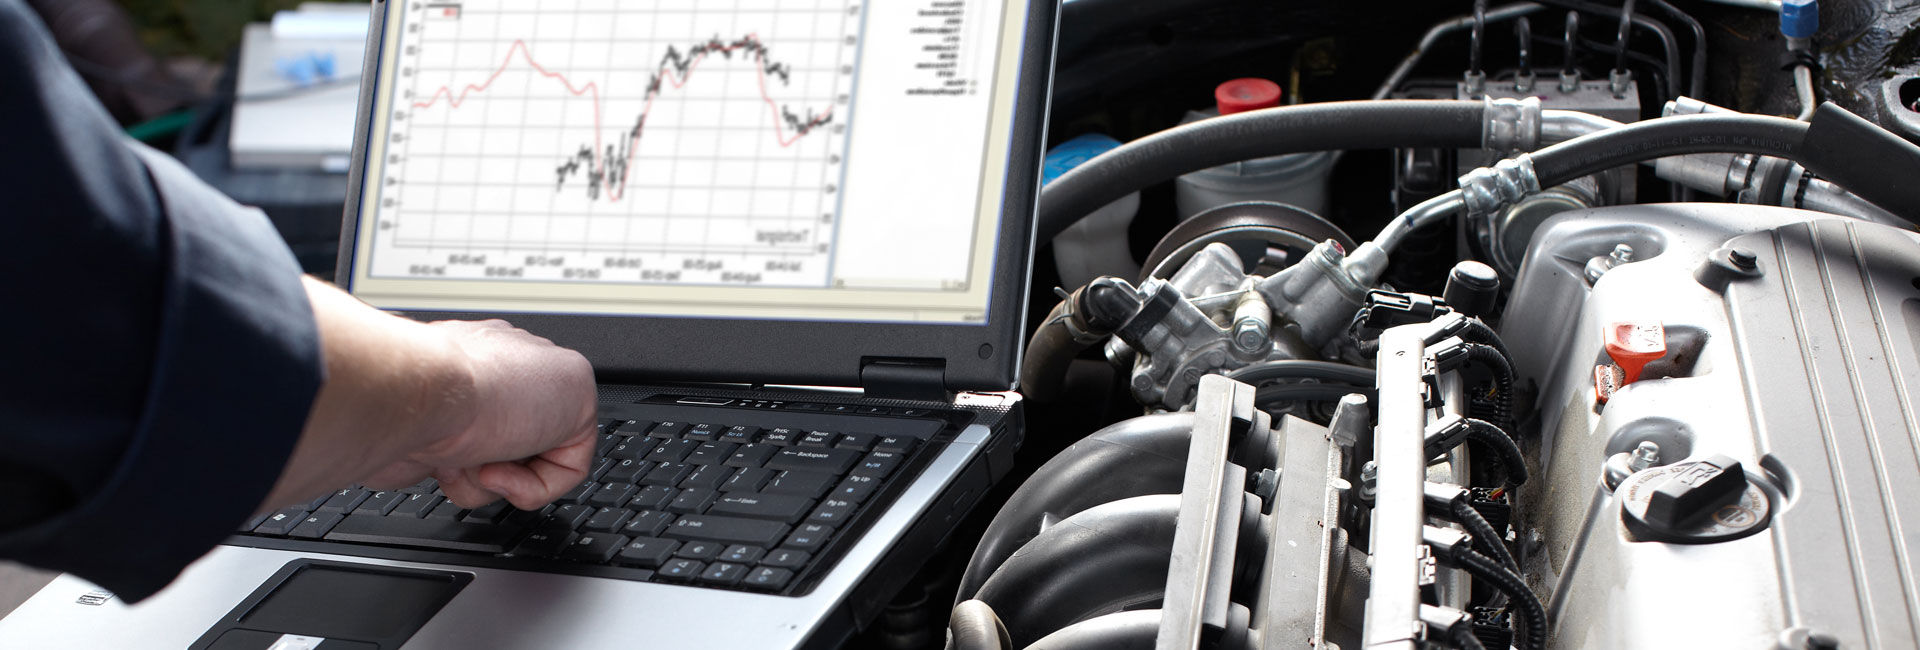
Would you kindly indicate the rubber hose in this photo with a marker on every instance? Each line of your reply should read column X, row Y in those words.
column 975, row 627
column 1670, row 136
column 1310, row 392
column 1300, row 128
column 1482, row 567
column 1043, row 372
column 1485, row 433
column 1135, row 630
column 1484, row 532
column 1303, row 369
column 1140, row 456
column 1105, row 559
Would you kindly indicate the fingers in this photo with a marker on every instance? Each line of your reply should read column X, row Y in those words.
column 462, row 489
column 398, row 475
column 538, row 481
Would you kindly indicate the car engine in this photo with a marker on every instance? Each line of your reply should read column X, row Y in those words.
column 1544, row 325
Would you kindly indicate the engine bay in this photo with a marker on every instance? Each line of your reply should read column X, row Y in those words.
column 1562, row 324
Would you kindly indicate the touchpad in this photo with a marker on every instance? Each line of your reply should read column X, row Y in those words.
column 320, row 605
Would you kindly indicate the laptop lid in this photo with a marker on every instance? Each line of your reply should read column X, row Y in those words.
column 773, row 191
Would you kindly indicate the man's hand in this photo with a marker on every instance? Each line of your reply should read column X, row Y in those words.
column 489, row 410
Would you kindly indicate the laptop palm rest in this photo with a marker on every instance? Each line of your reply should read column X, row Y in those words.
column 325, row 605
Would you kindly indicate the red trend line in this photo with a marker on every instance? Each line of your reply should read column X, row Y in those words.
column 593, row 88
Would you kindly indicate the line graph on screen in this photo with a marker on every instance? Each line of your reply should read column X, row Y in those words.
column 613, row 141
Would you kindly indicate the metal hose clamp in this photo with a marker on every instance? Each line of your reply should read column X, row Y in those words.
column 1489, row 189
column 1512, row 125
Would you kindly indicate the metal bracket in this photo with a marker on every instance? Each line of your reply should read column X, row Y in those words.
column 1393, row 597
column 1200, row 573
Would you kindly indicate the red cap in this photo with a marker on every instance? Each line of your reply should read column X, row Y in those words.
column 1241, row 95
column 1633, row 344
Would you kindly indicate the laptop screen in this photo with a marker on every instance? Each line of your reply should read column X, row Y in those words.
column 823, row 160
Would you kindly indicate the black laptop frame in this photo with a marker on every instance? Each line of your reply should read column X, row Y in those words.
column 975, row 357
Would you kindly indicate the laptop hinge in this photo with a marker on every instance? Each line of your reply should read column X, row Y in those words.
column 907, row 379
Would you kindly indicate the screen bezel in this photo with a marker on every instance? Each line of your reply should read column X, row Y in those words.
column 806, row 352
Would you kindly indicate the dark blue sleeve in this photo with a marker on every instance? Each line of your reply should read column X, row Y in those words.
column 157, row 352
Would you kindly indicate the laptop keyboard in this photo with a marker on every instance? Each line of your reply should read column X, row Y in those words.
column 713, row 503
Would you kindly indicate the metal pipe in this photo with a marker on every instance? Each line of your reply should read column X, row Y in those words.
column 1558, row 126
column 1432, row 37
column 1803, row 85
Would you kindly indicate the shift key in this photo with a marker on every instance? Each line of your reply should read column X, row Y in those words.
column 832, row 461
column 729, row 530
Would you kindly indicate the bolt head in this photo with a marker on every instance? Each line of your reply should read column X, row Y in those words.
column 1743, row 259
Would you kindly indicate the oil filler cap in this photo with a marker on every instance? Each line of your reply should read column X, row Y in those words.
column 1701, row 502
column 1242, row 95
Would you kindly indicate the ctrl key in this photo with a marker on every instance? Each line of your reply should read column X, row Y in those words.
column 647, row 552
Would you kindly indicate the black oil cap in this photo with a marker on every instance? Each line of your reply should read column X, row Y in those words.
column 1472, row 288
column 1696, row 492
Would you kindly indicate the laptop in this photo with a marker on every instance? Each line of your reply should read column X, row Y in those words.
column 792, row 236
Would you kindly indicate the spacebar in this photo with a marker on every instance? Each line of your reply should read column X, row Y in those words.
column 425, row 533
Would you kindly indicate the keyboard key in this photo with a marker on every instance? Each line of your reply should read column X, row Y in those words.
column 652, row 497
column 446, row 511
column 809, row 536
column 579, row 493
column 315, row 503
column 424, row 487
column 667, row 474
column 491, row 513
column 818, row 439
column 878, row 464
column 781, row 437
column 753, row 455
column 612, row 495
column 345, row 501
column 856, row 488
column 416, row 505
column 807, row 484
column 681, row 569
column 698, row 550
column 711, row 453
column 597, row 549
column 776, row 507
column 707, row 477
column 549, row 542
column 607, row 520
column 527, row 518
column 723, row 573
column 667, row 430
column 627, row 471
column 599, row 469
column 250, row 524
column 832, row 512
column 832, row 461
column 648, row 524
column 742, row 554
column 692, row 501
column 729, row 530
column 767, row 578
column 570, row 516
column 857, row 441
column 632, row 427
column 895, row 444
column 381, row 502
column 747, row 480
column 607, row 441
column 647, row 552
column 741, row 435
column 786, row 558
column 672, row 451
column 316, row 525
column 632, row 449
column 705, row 432
column 424, row 533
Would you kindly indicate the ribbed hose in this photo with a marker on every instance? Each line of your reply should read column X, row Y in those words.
column 975, row 627
column 1321, row 126
column 1486, row 433
column 1485, row 568
column 1484, row 533
column 1499, row 410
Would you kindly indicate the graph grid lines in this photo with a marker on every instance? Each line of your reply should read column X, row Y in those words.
column 693, row 142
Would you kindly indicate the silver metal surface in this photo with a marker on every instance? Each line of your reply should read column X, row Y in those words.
column 1209, row 520
column 1803, row 373
column 1306, row 509
column 1393, row 598
column 507, row 610
column 1512, row 125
